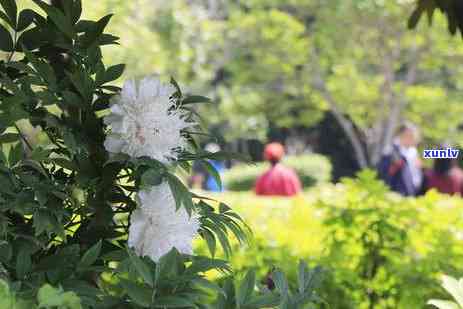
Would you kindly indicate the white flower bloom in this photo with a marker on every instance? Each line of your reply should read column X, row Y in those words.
column 145, row 122
column 156, row 227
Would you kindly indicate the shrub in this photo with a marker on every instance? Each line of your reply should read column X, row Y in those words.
column 64, row 204
column 312, row 169
column 379, row 250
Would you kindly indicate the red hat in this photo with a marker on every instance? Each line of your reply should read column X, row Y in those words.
column 274, row 152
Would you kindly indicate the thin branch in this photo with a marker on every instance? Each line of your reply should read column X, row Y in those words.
column 10, row 56
column 26, row 142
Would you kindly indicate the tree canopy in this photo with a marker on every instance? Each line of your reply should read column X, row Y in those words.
column 271, row 64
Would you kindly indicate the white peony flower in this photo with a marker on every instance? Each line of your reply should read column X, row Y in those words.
column 145, row 122
column 156, row 227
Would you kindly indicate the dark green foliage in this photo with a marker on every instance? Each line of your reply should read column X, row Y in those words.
column 453, row 10
column 277, row 293
column 64, row 203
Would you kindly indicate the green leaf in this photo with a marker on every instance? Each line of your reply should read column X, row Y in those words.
column 7, row 299
column 25, row 19
column 108, row 39
column 142, row 269
column 167, row 264
column 210, row 240
column 21, row 66
column 443, row 304
column 203, row 283
column 16, row 154
column 313, row 279
column 113, row 73
column 6, row 185
column 32, row 38
column 173, row 302
column 151, row 177
column 181, row 193
column 301, row 276
column 94, row 32
column 223, row 238
column 140, row 294
column 62, row 21
column 9, row 138
column 50, row 297
column 23, row 263
column 6, row 252
column 83, row 83
column 415, row 17
column 263, row 301
column 65, row 163
column 202, row 264
column 44, row 69
column 6, row 42
column 246, row 287
column 42, row 222
column 178, row 93
column 454, row 287
column 91, row 256
column 82, row 289
column 46, row 97
column 212, row 171
column 76, row 10
column 281, row 283
column 5, row 18
column 195, row 99
column 11, row 10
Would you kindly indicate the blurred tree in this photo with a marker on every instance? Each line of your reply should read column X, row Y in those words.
column 249, row 57
column 373, row 74
column 284, row 63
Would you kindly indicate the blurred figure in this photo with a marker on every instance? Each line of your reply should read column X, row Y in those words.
column 210, row 183
column 445, row 177
column 278, row 180
column 400, row 167
column 201, row 177
column 196, row 180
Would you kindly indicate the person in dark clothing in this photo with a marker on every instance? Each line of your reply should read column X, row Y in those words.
column 400, row 167
column 445, row 177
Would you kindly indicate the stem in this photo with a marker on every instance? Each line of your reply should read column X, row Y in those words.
column 28, row 144
column 10, row 56
column 23, row 137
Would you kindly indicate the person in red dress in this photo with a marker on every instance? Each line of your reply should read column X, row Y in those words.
column 445, row 177
column 278, row 180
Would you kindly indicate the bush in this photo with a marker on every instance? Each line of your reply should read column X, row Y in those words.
column 312, row 169
column 64, row 204
column 379, row 250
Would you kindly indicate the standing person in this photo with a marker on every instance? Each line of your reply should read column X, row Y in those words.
column 278, row 180
column 201, row 178
column 211, row 183
column 400, row 167
column 445, row 177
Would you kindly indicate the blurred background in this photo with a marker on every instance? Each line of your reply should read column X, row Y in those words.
column 332, row 81
column 332, row 77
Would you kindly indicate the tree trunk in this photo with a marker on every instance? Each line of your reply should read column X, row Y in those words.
column 347, row 126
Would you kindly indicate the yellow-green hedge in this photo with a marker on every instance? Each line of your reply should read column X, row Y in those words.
column 349, row 228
